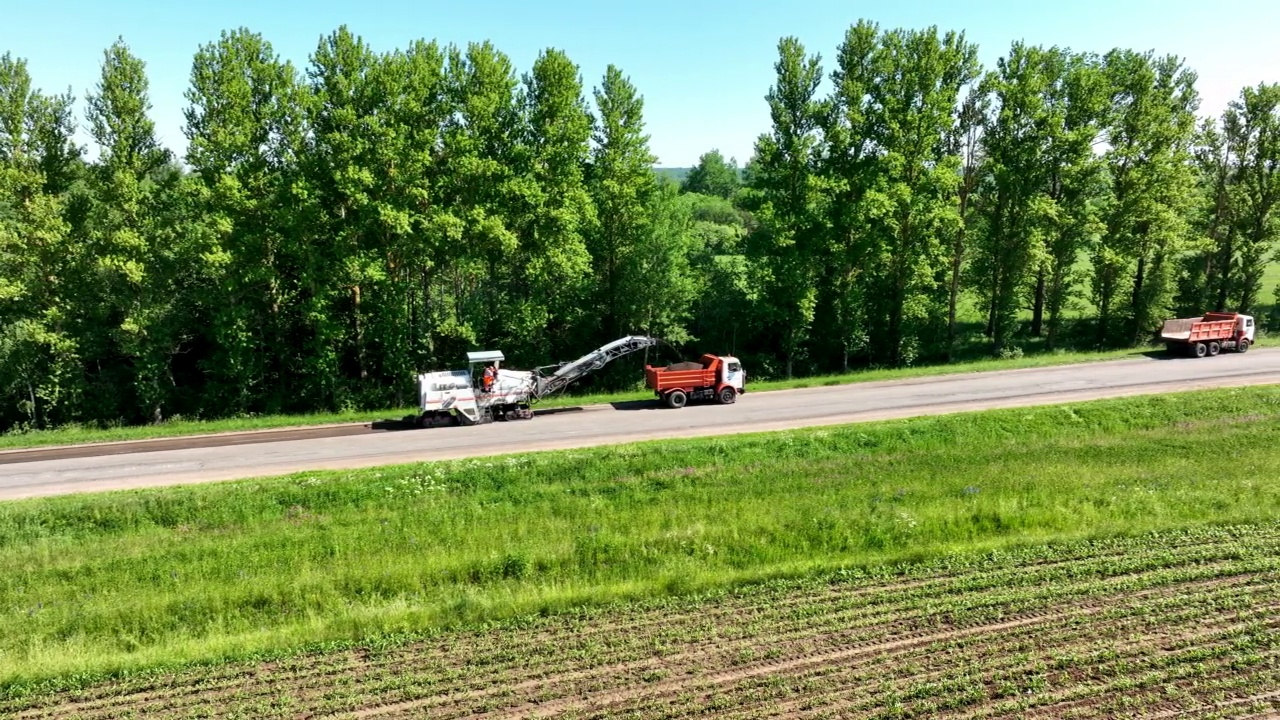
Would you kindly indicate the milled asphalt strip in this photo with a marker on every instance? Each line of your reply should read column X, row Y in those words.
column 36, row 489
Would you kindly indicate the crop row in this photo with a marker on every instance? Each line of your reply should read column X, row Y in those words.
column 866, row 622
column 1066, row 632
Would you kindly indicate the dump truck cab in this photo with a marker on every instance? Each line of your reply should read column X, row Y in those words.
column 732, row 374
column 1245, row 328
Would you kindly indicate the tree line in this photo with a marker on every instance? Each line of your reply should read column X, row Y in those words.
column 333, row 229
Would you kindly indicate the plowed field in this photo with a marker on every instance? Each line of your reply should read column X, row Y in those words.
column 1172, row 625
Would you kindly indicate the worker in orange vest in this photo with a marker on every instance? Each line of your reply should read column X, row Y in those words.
column 490, row 374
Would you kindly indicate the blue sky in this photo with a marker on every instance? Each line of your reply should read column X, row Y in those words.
column 703, row 67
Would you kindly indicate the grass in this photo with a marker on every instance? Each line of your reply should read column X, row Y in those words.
column 75, row 435
column 1188, row 611
column 103, row 584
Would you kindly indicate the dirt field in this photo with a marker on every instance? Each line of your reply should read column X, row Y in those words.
column 1168, row 626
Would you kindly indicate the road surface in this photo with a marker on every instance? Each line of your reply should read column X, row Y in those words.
column 54, row 471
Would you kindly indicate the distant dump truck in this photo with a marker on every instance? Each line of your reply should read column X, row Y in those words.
column 713, row 377
column 1208, row 335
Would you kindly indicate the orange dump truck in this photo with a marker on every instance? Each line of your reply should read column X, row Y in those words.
column 715, row 377
column 1208, row 335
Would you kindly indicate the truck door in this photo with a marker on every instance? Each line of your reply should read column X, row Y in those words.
column 733, row 374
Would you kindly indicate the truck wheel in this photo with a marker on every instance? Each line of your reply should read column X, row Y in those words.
column 1199, row 350
column 728, row 395
column 677, row 399
column 1242, row 346
column 1214, row 349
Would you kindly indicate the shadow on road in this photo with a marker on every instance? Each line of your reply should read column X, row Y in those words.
column 556, row 411
column 404, row 423
column 637, row 405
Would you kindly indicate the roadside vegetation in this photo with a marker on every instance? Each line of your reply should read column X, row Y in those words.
column 102, row 585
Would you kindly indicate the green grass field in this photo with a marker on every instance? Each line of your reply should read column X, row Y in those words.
column 101, row 584
column 1177, row 622
column 85, row 434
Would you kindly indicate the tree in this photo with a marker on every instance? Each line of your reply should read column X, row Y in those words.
column 551, row 274
column 724, row 304
column 1257, row 156
column 713, row 176
column 849, row 168
column 485, row 185
column 1015, row 147
column 622, row 186
column 1210, row 266
column 788, row 196
column 966, row 142
column 137, row 268
column 1149, row 133
column 659, row 285
column 913, row 203
column 244, row 126
column 1079, row 102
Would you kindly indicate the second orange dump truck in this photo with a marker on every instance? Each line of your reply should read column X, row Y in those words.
column 1208, row 335
column 712, row 377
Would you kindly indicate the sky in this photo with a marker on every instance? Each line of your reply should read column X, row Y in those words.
column 703, row 67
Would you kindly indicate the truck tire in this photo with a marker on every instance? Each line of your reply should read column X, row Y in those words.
column 727, row 395
column 676, row 399
column 1242, row 346
column 1199, row 350
column 1214, row 348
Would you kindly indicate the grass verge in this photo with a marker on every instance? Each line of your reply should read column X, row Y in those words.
column 103, row 584
column 78, row 435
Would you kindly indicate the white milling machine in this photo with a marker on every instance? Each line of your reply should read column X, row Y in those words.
column 451, row 397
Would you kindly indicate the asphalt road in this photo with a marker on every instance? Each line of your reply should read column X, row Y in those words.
column 187, row 460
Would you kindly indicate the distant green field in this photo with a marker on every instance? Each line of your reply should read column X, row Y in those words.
column 103, row 583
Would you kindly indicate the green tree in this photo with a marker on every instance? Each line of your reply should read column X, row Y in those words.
column 1015, row 147
column 787, row 199
column 913, row 204
column 713, row 176
column 966, row 142
column 622, row 186
column 660, row 286
column 137, row 261
column 244, row 125
column 551, row 274
column 1078, row 103
column 419, row 105
column 725, row 298
column 850, row 167
column 38, row 356
column 1210, row 265
column 1149, row 133
column 487, row 190
column 1257, row 157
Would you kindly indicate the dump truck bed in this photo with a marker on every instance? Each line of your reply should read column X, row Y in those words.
column 1213, row 326
column 662, row 379
column 683, row 375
